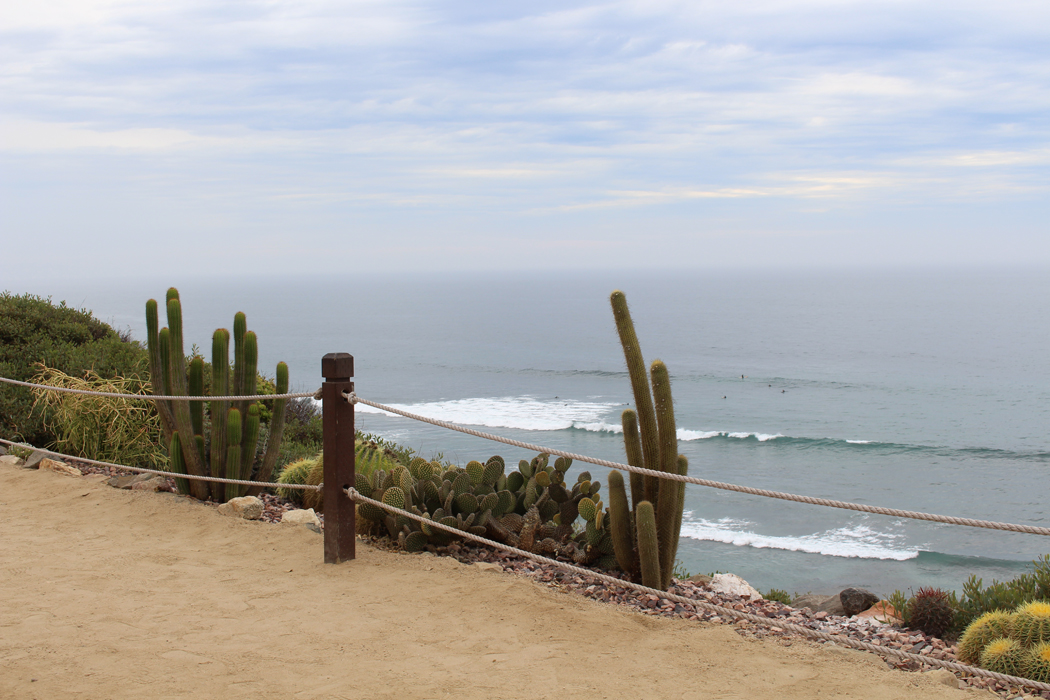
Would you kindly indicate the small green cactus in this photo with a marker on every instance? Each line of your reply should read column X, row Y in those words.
column 981, row 631
column 1004, row 655
column 1037, row 665
column 1031, row 623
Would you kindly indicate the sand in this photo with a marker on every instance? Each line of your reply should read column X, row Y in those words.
column 121, row 594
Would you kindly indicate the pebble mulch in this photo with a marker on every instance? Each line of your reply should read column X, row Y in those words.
column 865, row 630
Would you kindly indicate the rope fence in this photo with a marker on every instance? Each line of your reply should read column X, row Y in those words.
column 354, row 495
column 153, row 397
column 914, row 515
column 173, row 475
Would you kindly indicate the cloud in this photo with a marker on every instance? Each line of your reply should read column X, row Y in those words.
column 548, row 112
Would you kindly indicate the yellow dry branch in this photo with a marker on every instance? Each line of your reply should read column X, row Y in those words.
column 102, row 428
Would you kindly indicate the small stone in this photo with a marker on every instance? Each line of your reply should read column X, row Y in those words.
column 305, row 517
column 127, row 482
column 155, row 483
column 731, row 584
column 52, row 465
column 34, row 460
column 487, row 566
column 247, row 507
column 11, row 461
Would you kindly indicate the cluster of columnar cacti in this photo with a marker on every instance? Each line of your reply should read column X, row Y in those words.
column 234, row 426
column 531, row 508
column 646, row 526
column 1016, row 643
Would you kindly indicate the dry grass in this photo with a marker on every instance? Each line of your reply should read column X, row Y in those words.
column 102, row 428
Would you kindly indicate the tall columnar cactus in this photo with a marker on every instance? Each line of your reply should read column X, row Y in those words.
column 204, row 452
column 651, row 441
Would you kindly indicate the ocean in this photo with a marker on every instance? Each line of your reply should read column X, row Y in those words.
column 917, row 389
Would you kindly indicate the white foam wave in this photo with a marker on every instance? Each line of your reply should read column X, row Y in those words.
column 859, row 442
column 520, row 412
column 858, row 541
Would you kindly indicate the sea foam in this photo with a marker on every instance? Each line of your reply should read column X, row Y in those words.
column 858, row 541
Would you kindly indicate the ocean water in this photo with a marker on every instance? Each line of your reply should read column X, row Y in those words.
column 917, row 389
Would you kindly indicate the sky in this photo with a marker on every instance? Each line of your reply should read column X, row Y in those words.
column 181, row 136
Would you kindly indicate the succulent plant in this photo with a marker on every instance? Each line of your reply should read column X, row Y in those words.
column 170, row 376
column 651, row 441
column 1037, row 665
column 1031, row 623
column 1004, row 655
column 931, row 611
column 980, row 632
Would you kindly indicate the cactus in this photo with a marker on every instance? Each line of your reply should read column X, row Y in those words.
column 931, row 611
column 233, row 451
column 651, row 441
column 648, row 549
column 1004, row 655
column 171, row 376
column 981, row 631
column 1037, row 663
column 1031, row 623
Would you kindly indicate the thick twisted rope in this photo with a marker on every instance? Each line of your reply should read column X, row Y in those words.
column 173, row 475
column 914, row 515
column 152, row 397
column 704, row 605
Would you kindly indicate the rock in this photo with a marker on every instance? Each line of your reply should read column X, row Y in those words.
column 945, row 677
column 11, row 461
column 856, row 600
column 34, row 460
column 487, row 566
column 700, row 579
column 818, row 602
column 154, row 483
column 305, row 517
column 53, row 465
column 247, row 507
column 809, row 600
column 731, row 584
column 127, row 482
column 881, row 612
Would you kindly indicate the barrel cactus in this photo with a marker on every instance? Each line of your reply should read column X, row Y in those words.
column 1031, row 623
column 1004, row 655
column 931, row 611
column 989, row 626
column 1037, row 665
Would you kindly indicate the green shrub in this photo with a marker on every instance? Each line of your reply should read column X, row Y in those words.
column 1002, row 595
column 778, row 595
column 34, row 330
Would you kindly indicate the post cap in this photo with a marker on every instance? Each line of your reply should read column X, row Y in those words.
column 337, row 365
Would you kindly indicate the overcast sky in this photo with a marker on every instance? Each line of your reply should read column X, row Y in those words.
column 183, row 135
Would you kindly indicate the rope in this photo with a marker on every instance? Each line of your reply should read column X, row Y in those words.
column 914, row 515
column 152, row 397
column 710, row 607
column 267, row 484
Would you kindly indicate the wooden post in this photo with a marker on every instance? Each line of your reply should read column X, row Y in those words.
column 337, row 416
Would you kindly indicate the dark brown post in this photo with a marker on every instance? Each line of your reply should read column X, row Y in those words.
column 337, row 416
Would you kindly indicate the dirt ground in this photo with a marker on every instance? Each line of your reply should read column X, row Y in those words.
column 120, row 594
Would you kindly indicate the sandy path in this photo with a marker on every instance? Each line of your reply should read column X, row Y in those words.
column 118, row 594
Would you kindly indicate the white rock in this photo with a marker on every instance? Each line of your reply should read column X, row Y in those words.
column 301, row 517
column 11, row 461
column 247, row 507
column 731, row 584
column 53, row 465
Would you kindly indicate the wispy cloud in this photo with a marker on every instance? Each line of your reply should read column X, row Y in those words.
column 528, row 120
